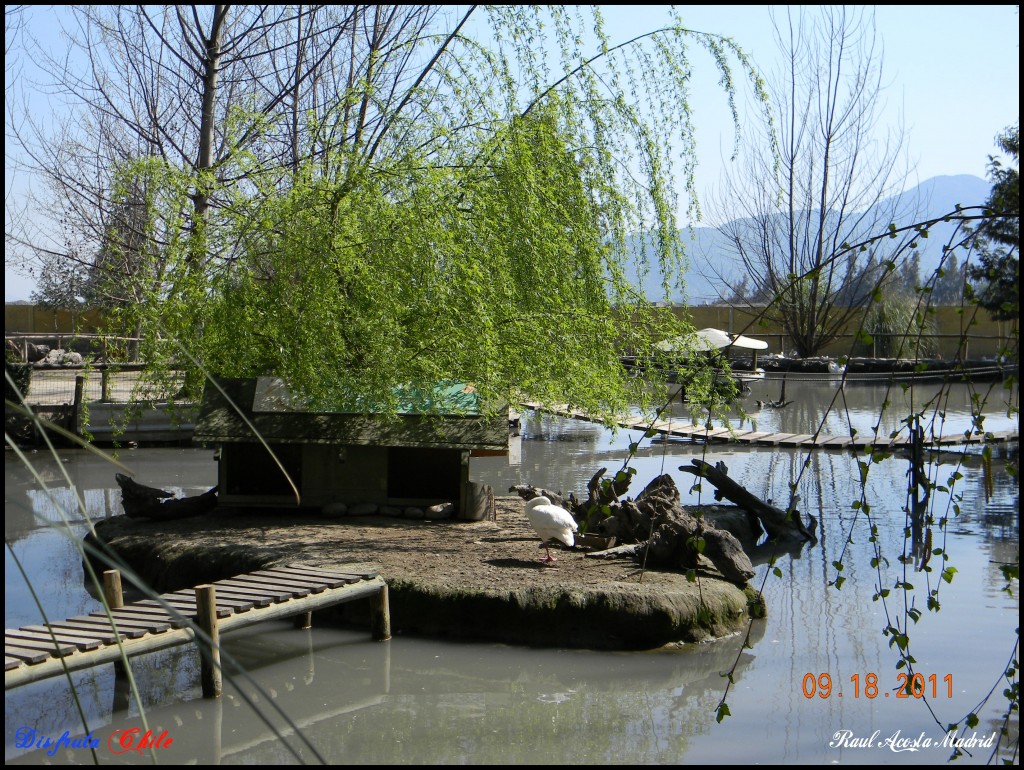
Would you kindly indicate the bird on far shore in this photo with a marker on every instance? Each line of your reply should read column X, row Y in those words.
column 550, row 522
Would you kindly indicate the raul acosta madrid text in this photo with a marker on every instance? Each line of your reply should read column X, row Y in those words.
column 898, row 742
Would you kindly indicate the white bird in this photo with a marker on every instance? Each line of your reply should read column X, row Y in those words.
column 550, row 521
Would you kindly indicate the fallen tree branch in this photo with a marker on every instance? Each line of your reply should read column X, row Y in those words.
column 779, row 524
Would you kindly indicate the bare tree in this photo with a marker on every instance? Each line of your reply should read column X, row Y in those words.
column 835, row 180
column 194, row 88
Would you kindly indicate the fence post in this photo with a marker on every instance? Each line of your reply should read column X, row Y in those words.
column 76, row 408
column 104, row 384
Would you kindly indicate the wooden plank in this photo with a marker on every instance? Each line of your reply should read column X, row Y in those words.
column 316, row 584
column 774, row 438
column 716, row 433
column 229, row 605
column 26, row 655
column 234, row 601
column 328, row 580
column 797, row 439
column 262, row 596
column 103, row 637
column 631, row 422
column 262, row 586
column 886, row 443
column 362, row 575
column 739, row 435
column 272, row 583
column 154, row 627
column 178, row 605
column 44, row 646
column 143, row 615
column 93, row 625
column 11, row 663
column 153, row 624
column 79, row 643
column 184, row 605
column 90, row 626
column 753, row 436
column 137, row 608
column 837, row 441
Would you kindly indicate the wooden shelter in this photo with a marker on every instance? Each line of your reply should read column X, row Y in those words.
column 343, row 458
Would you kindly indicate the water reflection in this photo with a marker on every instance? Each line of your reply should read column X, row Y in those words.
column 414, row 701
column 420, row 701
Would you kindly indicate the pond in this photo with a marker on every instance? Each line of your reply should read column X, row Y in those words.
column 817, row 682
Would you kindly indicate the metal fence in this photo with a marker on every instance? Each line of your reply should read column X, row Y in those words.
column 112, row 384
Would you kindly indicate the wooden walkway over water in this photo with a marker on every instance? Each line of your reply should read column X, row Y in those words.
column 680, row 428
column 40, row 651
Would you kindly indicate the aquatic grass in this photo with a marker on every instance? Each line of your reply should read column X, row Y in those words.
column 899, row 623
column 231, row 668
column 41, row 429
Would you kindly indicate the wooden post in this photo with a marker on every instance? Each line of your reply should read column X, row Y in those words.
column 303, row 620
column 206, row 617
column 104, row 384
column 112, row 589
column 76, row 409
column 114, row 597
column 380, row 616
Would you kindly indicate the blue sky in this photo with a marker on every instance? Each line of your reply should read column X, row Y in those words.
column 952, row 74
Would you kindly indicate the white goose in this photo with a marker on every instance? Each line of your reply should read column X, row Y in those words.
column 550, row 521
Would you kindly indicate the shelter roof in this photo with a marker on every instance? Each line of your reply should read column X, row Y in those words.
column 248, row 410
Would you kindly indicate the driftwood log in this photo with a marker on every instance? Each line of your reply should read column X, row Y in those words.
column 142, row 502
column 663, row 533
column 779, row 525
column 528, row 493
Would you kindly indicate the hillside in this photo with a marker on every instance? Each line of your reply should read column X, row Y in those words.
column 708, row 256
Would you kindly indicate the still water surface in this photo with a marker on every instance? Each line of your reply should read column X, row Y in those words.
column 422, row 701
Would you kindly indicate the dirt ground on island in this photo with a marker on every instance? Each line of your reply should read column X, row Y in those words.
column 480, row 579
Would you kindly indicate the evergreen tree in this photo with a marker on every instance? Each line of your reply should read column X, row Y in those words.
column 997, row 276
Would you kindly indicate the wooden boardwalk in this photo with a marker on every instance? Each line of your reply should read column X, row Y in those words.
column 680, row 428
column 40, row 651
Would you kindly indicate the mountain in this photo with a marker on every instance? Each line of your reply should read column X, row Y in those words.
column 710, row 260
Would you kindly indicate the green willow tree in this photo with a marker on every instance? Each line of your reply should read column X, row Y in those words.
column 483, row 237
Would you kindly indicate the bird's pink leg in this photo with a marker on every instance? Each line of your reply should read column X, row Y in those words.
column 549, row 557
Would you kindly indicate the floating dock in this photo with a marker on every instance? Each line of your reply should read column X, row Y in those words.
column 684, row 429
column 41, row 651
